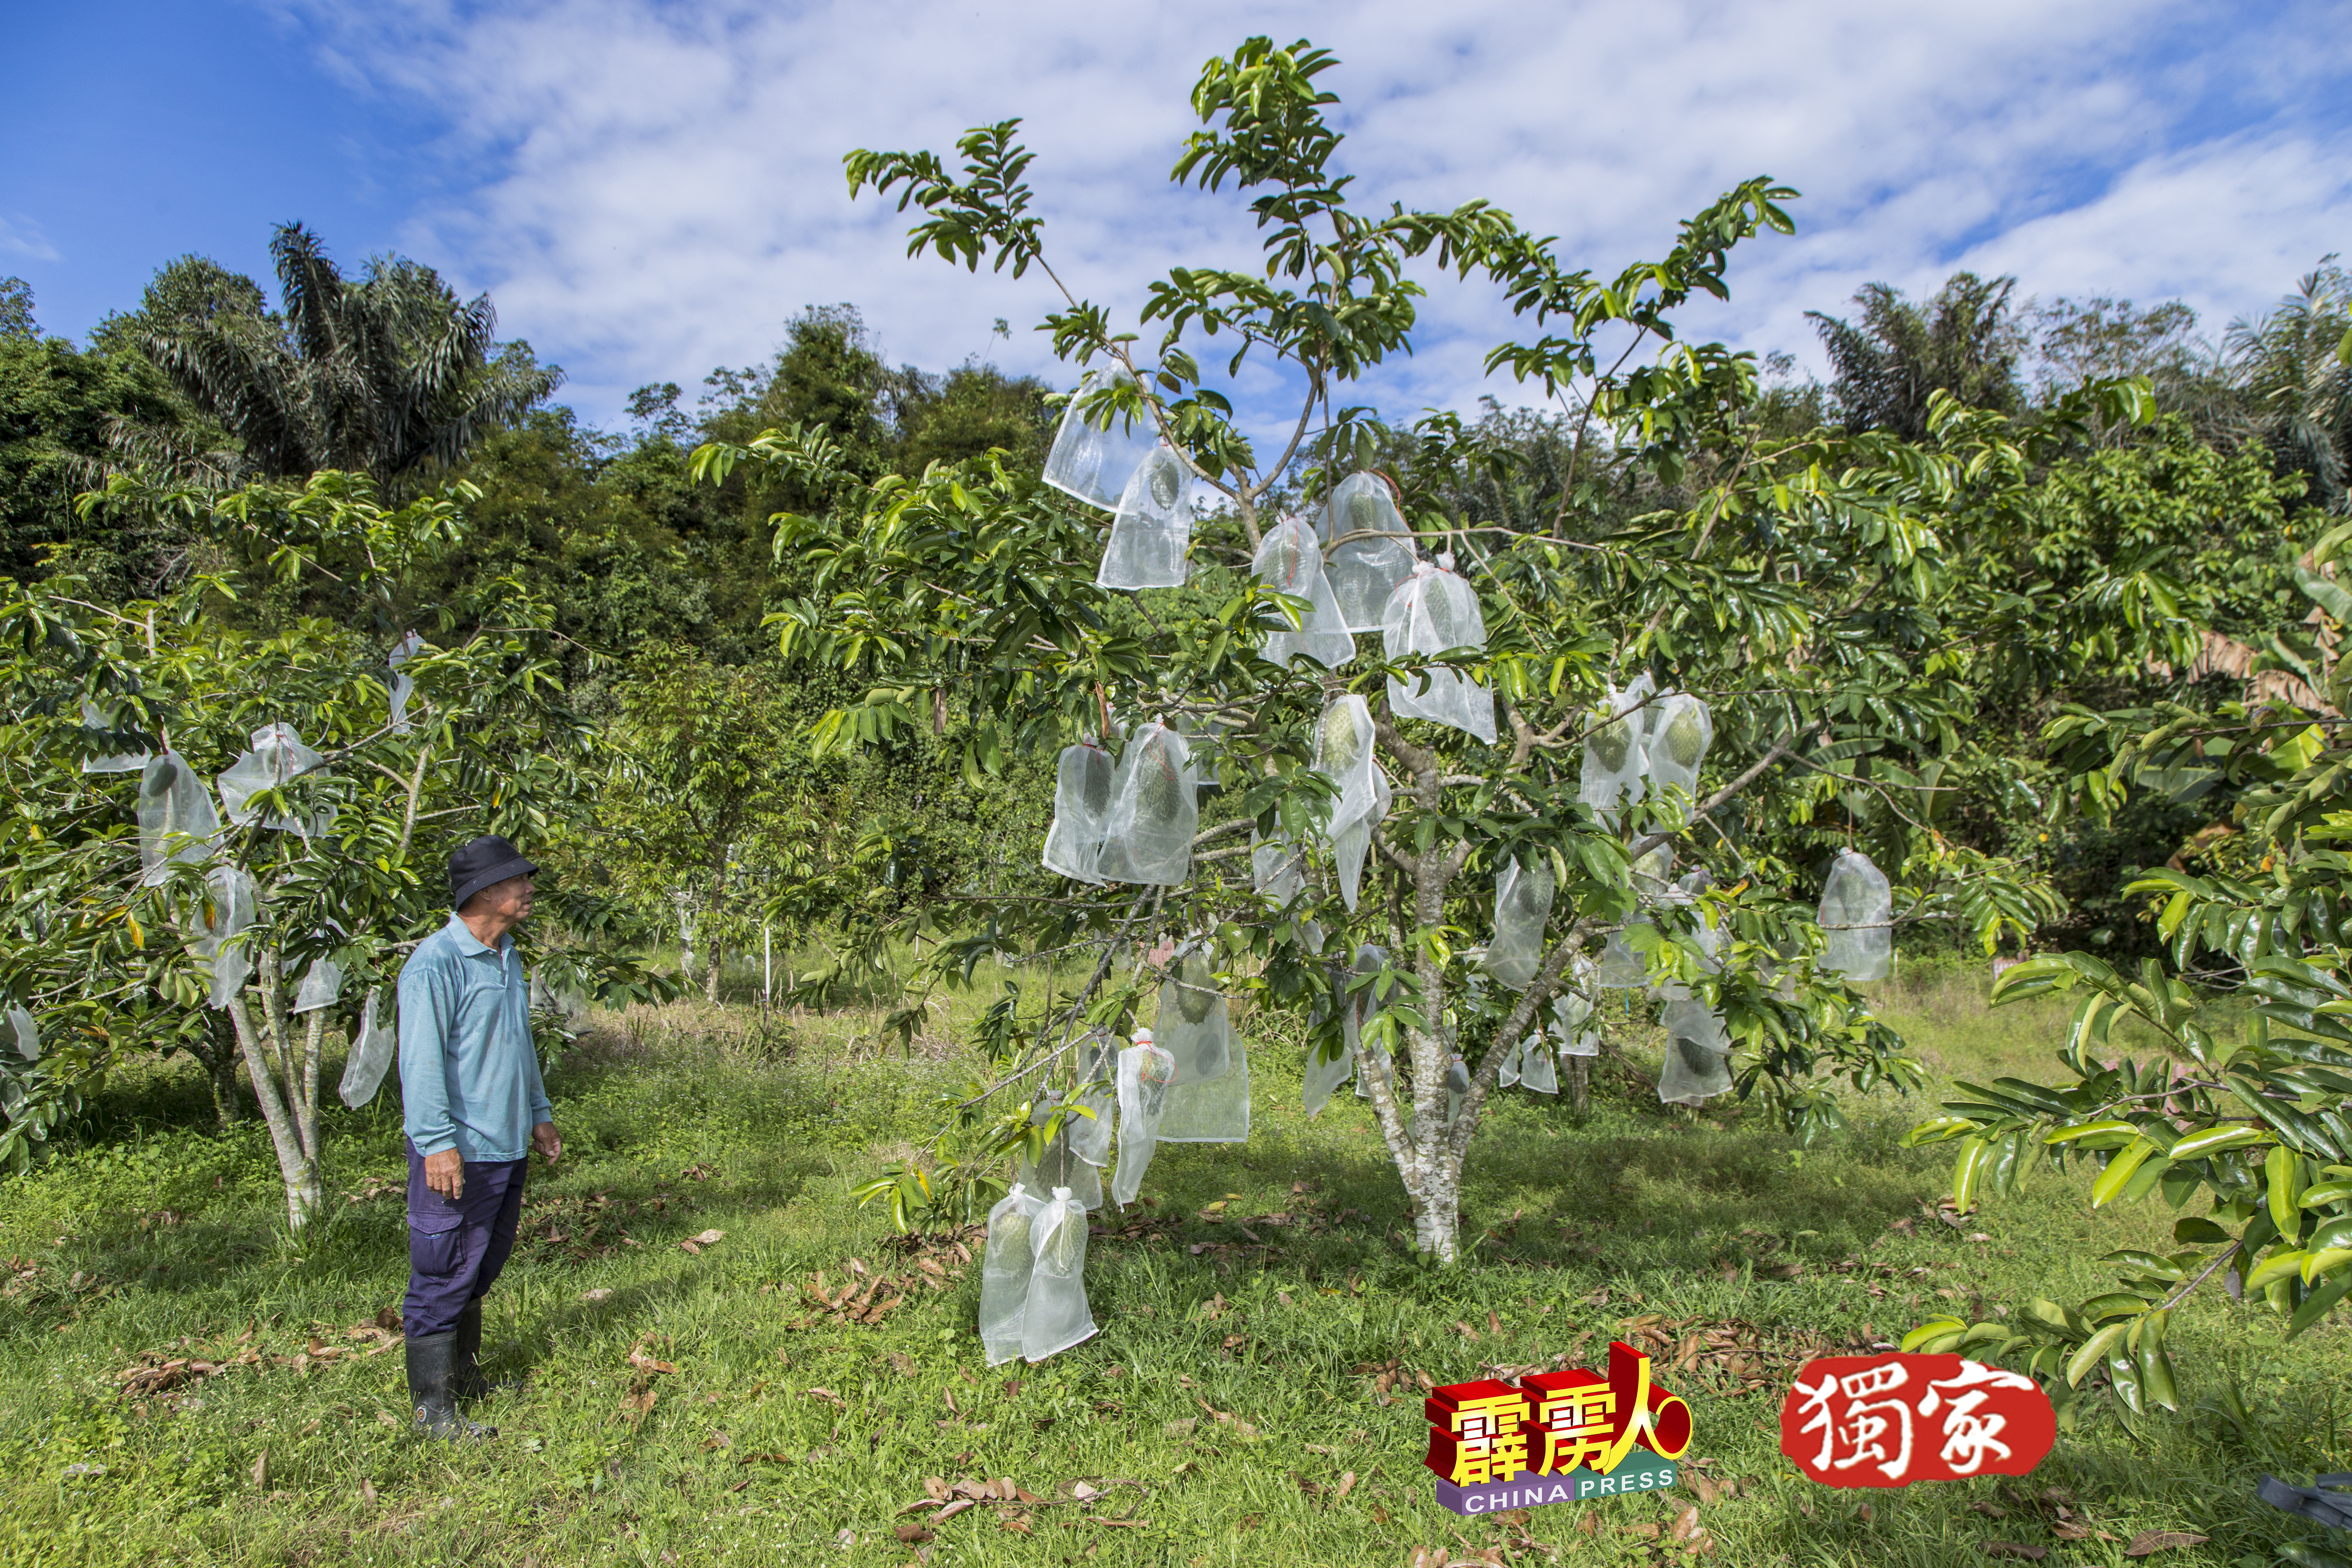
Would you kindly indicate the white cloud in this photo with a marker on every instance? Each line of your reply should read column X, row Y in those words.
column 650, row 189
column 21, row 235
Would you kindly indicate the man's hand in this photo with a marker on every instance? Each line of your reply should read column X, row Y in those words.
column 445, row 1174
column 548, row 1141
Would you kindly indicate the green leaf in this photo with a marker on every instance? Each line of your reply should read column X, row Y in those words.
column 2217, row 1140
column 2282, row 1170
column 2079, row 1366
column 2320, row 1302
column 2120, row 1170
column 2196, row 1230
column 1924, row 1339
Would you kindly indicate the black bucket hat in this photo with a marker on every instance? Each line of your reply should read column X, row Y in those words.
column 486, row 860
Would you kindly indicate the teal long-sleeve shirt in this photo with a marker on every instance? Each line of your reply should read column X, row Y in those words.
column 469, row 1076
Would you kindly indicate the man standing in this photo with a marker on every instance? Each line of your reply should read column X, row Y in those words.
column 475, row 1109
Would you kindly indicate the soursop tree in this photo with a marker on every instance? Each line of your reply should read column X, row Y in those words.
column 1802, row 587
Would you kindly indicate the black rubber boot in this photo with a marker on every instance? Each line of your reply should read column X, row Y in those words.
column 431, row 1369
column 466, row 1379
column 466, row 1363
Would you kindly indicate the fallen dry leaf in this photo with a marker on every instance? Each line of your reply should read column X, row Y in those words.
column 2150, row 1542
column 600, row 1293
column 914, row 1534
column 1347, row 1484
column 1686, row 1524
column 711, row 1237
column 645, row 1362
column 2015, row 1548
column 261, row 1472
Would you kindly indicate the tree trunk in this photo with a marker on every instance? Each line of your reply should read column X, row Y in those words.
column 286, row 1092
column 1579, row 1084
column 218, row 1054
column 710, row 980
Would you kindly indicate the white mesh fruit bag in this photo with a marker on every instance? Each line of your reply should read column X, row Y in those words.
column 1698, row 1055
column 1195, row 1025
column 1431, row 612
column 1055, row 1316
column 1145, row 1074
column 1678, row 743
column 1082, row 784
column 1523, row 896
column 1094, row 455
column 1152, row 528
column 1857, row 918
column 119, row 762
column 176, row 818
column 1367, row 549
column 372, row 1050
column 1154, row 811
column 1616, row 751
column 1004, row 1271
column 277, row 759
column 1211, row 1111
column 1289, row 561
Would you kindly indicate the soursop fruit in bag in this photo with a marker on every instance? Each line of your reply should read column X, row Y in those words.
column 1082, row 793
column 1523, row 896
column 1678, row 743
column 372, row 1050
column 1154, row 811
column 1145, row 1074
column 1324, row 1075
column 1092, row 456
column 230, row 906
column 277, row 759
column 1152, row 528
column 1538, row 1071
column 1289, row 561
column 1277, row 868
column 1055, row 1316
column 1431, row 612
column 176, row 818
column 402, row 689
column 1368, row 550
column 1616, row 752
column 118, row 763
column 1344, row 743
column 322, row 982
column 1698, row 1055
column 25, row 1031
column 1857, row 919
column 1195, row 1023
column 1211, row 1111
column 1004, row 1271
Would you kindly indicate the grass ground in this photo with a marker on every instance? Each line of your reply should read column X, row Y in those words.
column 1253, row 1396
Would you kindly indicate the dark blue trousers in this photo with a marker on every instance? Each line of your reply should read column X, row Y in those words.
column 456, row 1249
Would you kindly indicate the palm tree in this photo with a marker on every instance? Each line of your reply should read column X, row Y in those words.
column 2293, row 364
column 388, row 373
column 1965, row 342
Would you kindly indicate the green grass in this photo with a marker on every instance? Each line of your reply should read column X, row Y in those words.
column 1224, row 1383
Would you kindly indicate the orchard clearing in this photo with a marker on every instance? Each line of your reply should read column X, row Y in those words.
column 728, row 1361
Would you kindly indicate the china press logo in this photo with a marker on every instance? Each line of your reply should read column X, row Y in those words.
column 1555, row 1436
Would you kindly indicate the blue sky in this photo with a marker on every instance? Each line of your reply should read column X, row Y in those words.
column 650, row 188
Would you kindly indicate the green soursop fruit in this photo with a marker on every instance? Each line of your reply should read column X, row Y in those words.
column 1011, row 1234
column 1611, row 744
column 1064, row 1243
column 1365, row 511
column 1686, row 742
column 1196, row 992
column 1338, row 744
column 1098, row 783
column 1159, row 797
column 1166, row 480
